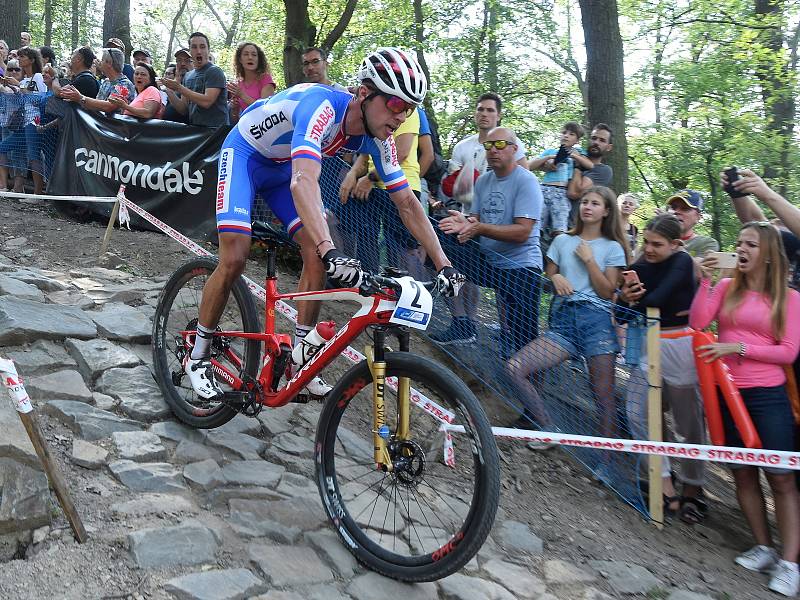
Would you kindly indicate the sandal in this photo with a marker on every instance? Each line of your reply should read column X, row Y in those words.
column 668, row 501
column 693, row 510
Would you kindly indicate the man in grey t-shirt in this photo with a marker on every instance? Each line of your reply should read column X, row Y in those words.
column 203, row 96
column 600, row 174
column 505, row 214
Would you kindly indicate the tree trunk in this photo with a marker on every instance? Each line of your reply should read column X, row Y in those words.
column 74, row 20
column 777, row 87
column 15, row 19
column 48, row 22
column 168, row 57
column 419, row 37
column 605, row 79
column 117, row 23
column 491, row 55
column 237, row 18
column 300, row 33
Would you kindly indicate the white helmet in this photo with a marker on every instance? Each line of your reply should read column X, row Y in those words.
column 396, row 72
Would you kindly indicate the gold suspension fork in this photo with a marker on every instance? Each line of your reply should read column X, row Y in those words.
column 380, row 430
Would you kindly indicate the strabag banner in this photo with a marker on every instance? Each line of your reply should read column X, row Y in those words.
column 169, row 169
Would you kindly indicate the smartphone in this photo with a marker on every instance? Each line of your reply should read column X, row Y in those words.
column 562, row 155
column 725, row 260
column 732, row 174
column 630, row 277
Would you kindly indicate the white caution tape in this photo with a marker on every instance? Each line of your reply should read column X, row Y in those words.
column 90, row 199
column 740, row 456
column 13, row 383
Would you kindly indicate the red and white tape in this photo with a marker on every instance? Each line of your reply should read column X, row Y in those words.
column 740, row 456
column 438, row 412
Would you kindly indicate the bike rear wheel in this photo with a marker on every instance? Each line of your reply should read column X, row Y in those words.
column 177, row 310
column 426, row 520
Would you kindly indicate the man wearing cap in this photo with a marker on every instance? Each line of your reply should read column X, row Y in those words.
column 142, row 55
column 183, row 64
column 203, row 93
column 687, row 206
column 127, row 68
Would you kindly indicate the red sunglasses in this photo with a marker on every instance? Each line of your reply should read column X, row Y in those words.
column 398, row 105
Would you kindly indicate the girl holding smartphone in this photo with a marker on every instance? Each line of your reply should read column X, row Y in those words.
column 756, row 338
column 663, row 277
column 584, row 266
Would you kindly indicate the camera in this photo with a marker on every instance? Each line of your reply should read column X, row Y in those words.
column 562, row 155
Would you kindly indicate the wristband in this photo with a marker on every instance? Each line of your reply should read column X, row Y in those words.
column 373, row 177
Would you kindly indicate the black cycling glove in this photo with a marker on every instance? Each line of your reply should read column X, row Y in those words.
column 342, row 270
column 450, row 281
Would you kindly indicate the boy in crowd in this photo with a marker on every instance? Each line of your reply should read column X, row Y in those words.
column 558, row 166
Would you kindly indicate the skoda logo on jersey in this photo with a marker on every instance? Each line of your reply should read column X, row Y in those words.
column 257, row 130
column 223, row 185
column 319, row 121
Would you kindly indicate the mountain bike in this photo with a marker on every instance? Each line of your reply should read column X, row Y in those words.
column 397, row 505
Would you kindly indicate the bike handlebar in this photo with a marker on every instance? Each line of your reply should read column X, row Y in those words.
column 372, row 284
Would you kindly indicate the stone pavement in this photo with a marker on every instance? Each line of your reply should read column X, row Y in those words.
column 218, row 515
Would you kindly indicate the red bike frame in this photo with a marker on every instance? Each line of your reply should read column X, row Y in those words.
column 375, row 309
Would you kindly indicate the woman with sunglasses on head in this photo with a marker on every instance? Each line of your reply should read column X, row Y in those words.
column 28, row 81
column 666, row 281
column 254, row 78
column 584, row 266
column 147, row 103
column 756, row 338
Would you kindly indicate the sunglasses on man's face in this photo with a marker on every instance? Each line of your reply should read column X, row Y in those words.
column 398, row 105
column 314, row 62
column 499, row 144
column 13, row 69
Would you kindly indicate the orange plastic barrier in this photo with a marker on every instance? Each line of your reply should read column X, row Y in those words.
column 713, row 375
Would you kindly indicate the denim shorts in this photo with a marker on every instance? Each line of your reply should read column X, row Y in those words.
column 772, row 417
column 582, row 328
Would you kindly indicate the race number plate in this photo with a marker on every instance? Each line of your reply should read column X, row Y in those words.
column 414, row 306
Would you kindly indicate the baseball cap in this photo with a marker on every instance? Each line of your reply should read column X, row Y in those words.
column 141, row 51
column 690, row 198
column 115, row 43
column 183, row 51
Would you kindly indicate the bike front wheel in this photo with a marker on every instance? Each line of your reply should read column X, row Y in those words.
column 177, row 310
column 424, row 520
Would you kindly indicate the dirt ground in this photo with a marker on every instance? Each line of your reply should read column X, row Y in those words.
column 577, row 518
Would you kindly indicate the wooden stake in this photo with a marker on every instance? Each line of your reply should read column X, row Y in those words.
column 654, row 415
column 54, row 475
column 21, row 402
column 110, row 227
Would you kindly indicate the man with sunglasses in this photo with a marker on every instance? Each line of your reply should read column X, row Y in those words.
column 276, row 149
column 505, row 215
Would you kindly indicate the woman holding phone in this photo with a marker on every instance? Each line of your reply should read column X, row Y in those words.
column 663, row 278
column 756, row 338
column 584, row 266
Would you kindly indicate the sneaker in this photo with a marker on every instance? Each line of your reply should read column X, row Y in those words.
column 201, row 376
column 537, row 445
column 758, row 558
column 457, row 334
column 785, row 578
column 317, row 388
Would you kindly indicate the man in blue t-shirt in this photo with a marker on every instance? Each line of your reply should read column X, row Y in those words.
column 505, row 215
column 276, row 150
column 203, row 95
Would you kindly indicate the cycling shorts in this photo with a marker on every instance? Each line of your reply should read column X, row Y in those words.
column 245, row 172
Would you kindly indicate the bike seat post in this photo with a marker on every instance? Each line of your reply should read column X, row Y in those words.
column 271, row 269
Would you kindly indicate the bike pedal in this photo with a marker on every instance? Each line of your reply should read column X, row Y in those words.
column 301, row 399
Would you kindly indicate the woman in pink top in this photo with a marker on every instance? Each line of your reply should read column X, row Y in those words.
column 756, row 338
column 254, row 79
column 147, row 104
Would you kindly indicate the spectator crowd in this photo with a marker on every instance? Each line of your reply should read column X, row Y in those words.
column 521, row 224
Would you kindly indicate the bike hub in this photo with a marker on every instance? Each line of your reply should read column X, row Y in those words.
column 408, row 459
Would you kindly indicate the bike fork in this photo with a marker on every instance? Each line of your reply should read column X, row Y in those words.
column 381, row 433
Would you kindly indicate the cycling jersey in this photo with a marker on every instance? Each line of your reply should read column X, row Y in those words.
column 304, row 121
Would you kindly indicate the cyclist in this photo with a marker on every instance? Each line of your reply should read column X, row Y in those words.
column 276, row 150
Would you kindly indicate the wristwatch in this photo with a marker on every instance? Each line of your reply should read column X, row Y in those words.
column 83, row 101
column 373, row 177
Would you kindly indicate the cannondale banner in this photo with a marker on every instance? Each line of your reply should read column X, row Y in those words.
column 169, row 169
